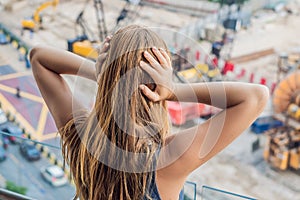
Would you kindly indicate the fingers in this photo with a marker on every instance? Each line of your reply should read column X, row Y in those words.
column 101, row 58
column 105, row 45
column 108, row 38
column 102, row 52
column 160, row 57
column 150, row 70
column 104, row 48
column 166, row 56
column 153, row 96
column 153, row 62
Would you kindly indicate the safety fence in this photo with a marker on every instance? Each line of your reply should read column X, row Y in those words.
column 191, row 191
column 7, row 194
column 210, row 193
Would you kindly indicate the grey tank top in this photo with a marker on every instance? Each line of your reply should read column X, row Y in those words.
column 152, row 189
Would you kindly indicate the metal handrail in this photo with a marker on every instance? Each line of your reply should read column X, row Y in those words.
column 195, row 188
column 35, row 141
column 10, row 195
column 226, row 192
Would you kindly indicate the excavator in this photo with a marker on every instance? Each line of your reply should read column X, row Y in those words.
column 85, row 44
column 282, row 150
column 34, row 23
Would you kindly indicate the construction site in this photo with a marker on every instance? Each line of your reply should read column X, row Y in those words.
column 246, row 41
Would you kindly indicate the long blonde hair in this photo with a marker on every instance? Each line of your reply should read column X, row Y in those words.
column 111, row 151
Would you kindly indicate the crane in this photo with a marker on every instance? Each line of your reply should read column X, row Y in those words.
column 34, row 23
column 128, row 13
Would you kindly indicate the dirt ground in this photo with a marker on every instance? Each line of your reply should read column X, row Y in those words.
column 236, row 169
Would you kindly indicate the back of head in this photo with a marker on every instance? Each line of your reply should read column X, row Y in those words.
column 112, row 151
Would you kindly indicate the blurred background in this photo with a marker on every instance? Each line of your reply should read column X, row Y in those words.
column 252, row 41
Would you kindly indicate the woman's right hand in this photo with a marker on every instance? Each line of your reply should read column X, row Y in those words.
column 102, row 54
column 161, row 72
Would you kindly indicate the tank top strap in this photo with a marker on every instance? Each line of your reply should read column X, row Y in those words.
column 152, row 189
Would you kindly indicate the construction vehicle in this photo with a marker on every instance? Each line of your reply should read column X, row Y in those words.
column 86, row 44
column 34, row 23
column 201, row 72
column 282, row 150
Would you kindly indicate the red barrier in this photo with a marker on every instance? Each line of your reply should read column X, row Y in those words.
column 263, row 81
column 273, row 86
column 228, row 66
column 198, row 55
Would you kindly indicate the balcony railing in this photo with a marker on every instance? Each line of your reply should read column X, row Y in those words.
column 210, row 193
column 9, row 195
column 190, row 188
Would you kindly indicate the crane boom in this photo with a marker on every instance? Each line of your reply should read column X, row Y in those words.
column 36, row 15
column 34, row 23
column 100, row 19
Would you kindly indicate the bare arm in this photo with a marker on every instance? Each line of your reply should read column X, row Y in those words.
column 63, row 62
column 219, row 94
column 48, row 64
column 241, row 103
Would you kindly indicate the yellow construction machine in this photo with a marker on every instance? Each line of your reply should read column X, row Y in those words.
column 201, row 72
column 85, row 44
column 35, row 22
column 283, row 144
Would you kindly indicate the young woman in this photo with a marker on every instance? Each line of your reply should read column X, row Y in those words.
column 123, row 148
